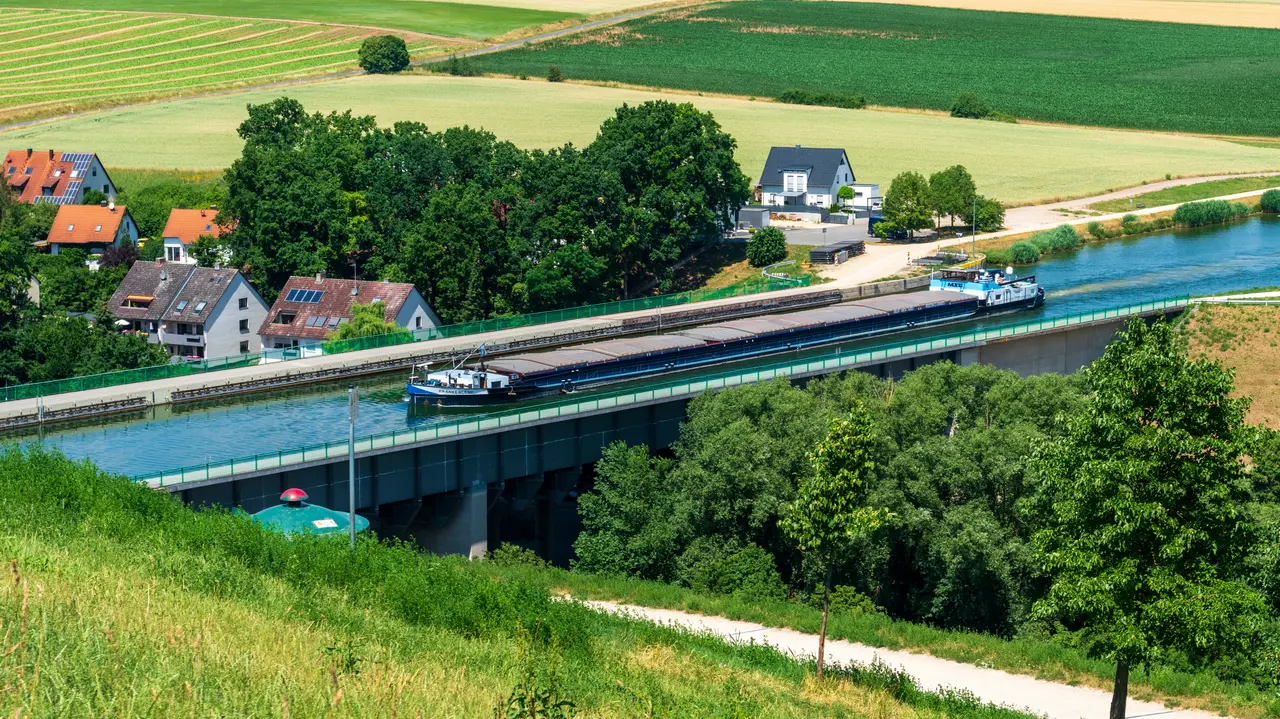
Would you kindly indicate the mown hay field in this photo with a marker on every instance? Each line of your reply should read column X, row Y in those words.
column 1081, row 71
column 471, row 20
column 88, row 59
column 1015, row 163
column 1238, row 13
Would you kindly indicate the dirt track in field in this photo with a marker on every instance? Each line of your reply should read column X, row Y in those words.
column 1239, row 13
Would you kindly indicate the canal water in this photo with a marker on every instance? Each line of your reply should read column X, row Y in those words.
column 1098, row 276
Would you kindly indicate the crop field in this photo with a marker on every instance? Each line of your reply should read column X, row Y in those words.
column 1239, row 13
column 1015, row 163
column 1082, row 71
column 85, row 60
column 470, row 20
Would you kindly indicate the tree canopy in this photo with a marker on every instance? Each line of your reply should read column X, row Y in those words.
column 766, row 246
column 952, row 193
column 366, row 321
column 907, row 204
column 481, row 227
column 1144, row 501
column 383, row 54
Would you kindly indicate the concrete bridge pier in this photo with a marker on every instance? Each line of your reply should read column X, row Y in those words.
column 458, row 524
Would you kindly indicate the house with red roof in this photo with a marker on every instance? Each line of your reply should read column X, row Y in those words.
column 184, row 228
column 61, row 178
column 309, row 309
column 92, row 228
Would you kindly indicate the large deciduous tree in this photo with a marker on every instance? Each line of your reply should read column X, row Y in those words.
column 952, row 193
column 829, row 512
column 1143, row 502
column 906, row 205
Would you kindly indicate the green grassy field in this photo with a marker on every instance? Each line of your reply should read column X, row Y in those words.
column 438, row 18
column 1082, row 71
column 1015, row 163
column 1189, row 193
column 91, row 59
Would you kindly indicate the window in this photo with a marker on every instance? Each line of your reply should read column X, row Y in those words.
column 417, row 322
column 317, row 320
column 244, row 326
column 200, row 307
column 97, row 228
column 307, row 296
column 106, row 189
column 70, row 227
column 333, row 322
column 286, row 318
column 173, row 254
column 12, row 169
column 95, row 172
column 181, row 306
column 199, row 330
column 137, row 302
column 244, row 347
column 244, row 303
column 27, row 171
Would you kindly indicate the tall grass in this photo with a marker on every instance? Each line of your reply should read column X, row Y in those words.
column 118, row 601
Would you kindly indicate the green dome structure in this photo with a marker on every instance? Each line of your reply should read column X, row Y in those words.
column 296, row 516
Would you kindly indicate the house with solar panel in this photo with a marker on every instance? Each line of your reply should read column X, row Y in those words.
column 184, row 228
column 191, row 311
column 309, row 309
column 92, row 228
column 61, row 178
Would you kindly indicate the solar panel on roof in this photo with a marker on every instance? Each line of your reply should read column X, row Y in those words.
column 306, row 296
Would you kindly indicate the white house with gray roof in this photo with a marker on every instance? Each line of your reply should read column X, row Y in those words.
column 810, row 176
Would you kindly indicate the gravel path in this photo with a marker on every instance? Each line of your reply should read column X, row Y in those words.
column 1036, row 696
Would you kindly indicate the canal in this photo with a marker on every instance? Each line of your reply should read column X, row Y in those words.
column 1110, row 274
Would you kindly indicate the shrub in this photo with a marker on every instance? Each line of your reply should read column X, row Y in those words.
column 999, row 258
column 827, row 99
column 1023, row 253
column 1209, row 212
column 1002, row 117
column 457, row 66
column 383, row 54
column 766, row 246
column 1270, row 201
column 1128, row 219
column 968, row 105
column 714, row 565
column 554, row 74
column 1098, row 230
column 513, row 555
column 1058, row 239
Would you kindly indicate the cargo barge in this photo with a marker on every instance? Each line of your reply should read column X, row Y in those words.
column 567, row 369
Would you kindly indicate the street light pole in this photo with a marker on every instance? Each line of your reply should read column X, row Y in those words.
column 353, row 398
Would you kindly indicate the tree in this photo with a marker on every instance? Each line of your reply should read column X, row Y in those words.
column 952, row 192
column 906, row 205
column 828, row 514
column 766, row 246
column 990, row 214
column 93, row 197
column 1145, row 532
column 383, row 54
column 844, row 194
column 366, row 321
column 968, row 105
column 554, row 74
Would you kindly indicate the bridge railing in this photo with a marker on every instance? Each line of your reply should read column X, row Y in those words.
column 834, row 361
column 144, row 374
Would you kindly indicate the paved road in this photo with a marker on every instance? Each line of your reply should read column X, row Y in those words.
column 1048, row 699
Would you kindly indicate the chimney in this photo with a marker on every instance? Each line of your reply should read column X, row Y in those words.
column 164, row 276
column 202, row 213
column 28, row 153
column 159, row 262
column 50, row 154
column 355, row 290
column 319, row 277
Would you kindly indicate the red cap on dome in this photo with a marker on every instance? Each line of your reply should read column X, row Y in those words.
column 293, row 495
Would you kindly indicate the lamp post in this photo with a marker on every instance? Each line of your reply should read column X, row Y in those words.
column 353, row 399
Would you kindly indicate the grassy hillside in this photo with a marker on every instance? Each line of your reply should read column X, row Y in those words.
column 1080, row 71
column 438, row 18
column 118, row 601
column 91, row 59
column 1245, row 338
column 1016, row 163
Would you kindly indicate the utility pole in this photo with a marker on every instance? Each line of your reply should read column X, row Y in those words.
column 353, row 399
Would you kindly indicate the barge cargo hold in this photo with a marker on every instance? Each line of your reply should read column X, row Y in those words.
column 530, row 374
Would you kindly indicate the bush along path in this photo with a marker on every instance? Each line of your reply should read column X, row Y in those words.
column 991, row 686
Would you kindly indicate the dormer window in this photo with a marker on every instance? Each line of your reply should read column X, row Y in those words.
column 286, row 318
